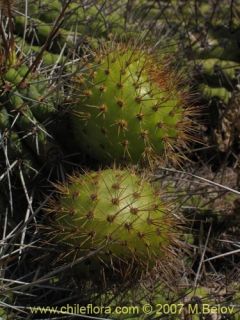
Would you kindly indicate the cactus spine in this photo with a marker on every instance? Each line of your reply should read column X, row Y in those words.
column 134, row 107
column 117, row 212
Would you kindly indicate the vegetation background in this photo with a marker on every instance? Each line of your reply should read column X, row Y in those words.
column 41, row 43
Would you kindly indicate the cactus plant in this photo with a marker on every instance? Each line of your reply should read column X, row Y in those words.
column 108, row 94
column 28, row 99
column 117, row 212
column 129, row 106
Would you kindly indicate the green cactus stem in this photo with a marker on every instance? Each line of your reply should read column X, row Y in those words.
column 220, row 93
column 129, row 107
column 117, row 212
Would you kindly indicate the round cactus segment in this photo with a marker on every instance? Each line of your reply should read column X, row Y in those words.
column 134, row 107
column 116, row 212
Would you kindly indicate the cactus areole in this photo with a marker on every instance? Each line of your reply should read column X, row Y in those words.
column 117, row 212
column 134, row 106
